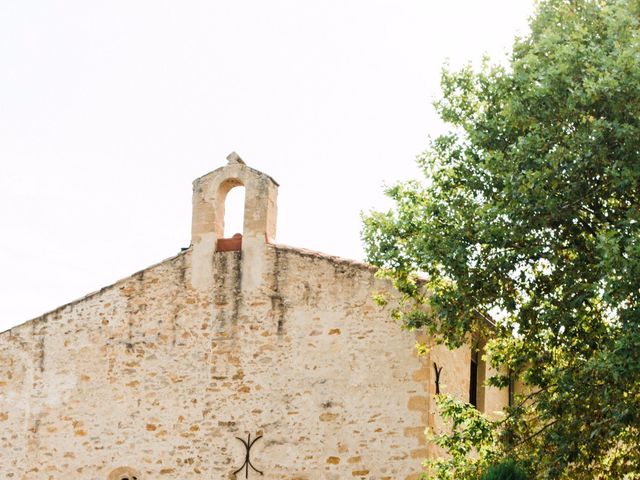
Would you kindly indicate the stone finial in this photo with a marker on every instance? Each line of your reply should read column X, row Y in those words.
column 233, row 158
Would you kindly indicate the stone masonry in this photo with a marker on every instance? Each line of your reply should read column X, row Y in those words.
column 155, row 376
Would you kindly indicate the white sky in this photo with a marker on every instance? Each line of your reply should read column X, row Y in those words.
column 109, row 110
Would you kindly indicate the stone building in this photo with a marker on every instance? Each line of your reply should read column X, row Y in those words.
column 171, row 373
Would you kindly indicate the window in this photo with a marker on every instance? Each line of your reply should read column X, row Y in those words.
column 477, row 376
column 473, row 378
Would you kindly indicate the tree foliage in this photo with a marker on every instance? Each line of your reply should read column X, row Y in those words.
column 507, row 470
column 529, row 216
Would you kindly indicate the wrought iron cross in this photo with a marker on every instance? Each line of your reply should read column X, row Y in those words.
column 247, row 459
column 438, row 372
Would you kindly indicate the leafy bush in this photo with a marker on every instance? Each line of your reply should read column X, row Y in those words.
column 507, row 470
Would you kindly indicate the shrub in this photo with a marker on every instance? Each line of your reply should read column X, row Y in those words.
column 506, row 470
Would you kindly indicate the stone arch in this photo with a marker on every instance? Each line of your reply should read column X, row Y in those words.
column 207, row 227
column 124, row 473
column 210, row 192
column 222, row 215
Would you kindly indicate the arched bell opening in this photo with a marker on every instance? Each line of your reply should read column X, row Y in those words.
column 231, row 209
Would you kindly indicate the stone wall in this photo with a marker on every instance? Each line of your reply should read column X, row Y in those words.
column 155, row 376
column 152, row 374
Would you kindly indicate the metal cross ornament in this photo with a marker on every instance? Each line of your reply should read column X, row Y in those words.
column 247, row 459
column 438, row 372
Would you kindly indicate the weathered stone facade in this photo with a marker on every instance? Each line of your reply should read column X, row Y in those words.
column 155, row 376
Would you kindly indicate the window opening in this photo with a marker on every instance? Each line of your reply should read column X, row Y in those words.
column 473, row 378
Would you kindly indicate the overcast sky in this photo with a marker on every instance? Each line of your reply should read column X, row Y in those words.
column 109, row 110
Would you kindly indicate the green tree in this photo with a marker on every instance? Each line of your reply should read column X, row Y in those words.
column 529, row 215
column 507, row 470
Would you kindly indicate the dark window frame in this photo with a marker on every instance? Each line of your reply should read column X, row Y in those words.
column 473, row 377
